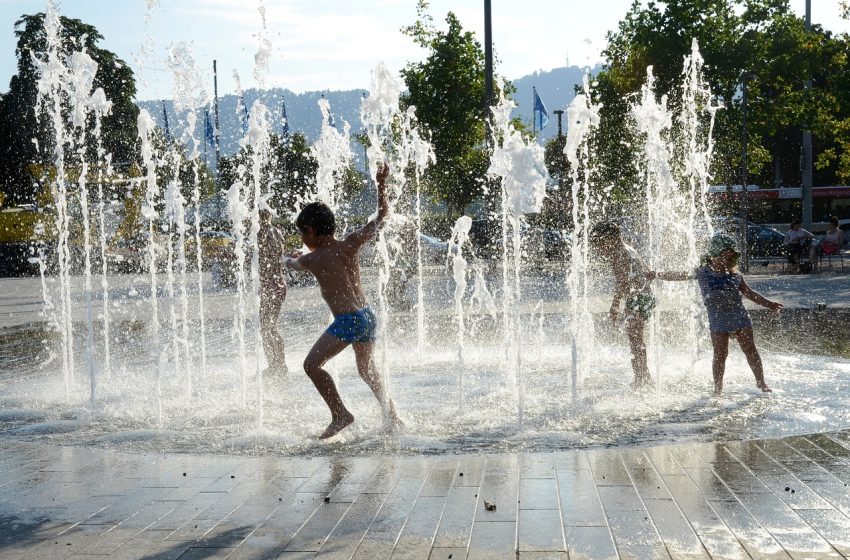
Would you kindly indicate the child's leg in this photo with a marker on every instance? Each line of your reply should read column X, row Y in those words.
column 364, row 355
column 323, row 350
column 748, row 346
column 272, row 341
column 720, row 342
column 634, row 328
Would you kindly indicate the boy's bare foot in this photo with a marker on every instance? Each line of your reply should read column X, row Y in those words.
column 718, row 390
column 764, row 388
column 337, row 425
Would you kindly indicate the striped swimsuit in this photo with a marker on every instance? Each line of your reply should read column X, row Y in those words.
column 721, row 294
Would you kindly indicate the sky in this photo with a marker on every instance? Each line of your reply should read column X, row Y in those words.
column 331, row 44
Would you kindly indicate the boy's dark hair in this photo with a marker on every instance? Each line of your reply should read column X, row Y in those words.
column 796, row 222
column 318, row 216
column 833, row 220
column 604, row 231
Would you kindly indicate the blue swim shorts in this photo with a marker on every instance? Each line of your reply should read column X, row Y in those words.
column 357, row 326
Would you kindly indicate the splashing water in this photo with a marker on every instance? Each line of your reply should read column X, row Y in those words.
column 459, row 237
column 583, row 116
column 675, row 150
column 521, row 170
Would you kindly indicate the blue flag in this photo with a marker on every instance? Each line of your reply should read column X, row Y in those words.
column 165, row 118
column 209, row 131
column 541, row 115
column 285, row 119
column 245, row 116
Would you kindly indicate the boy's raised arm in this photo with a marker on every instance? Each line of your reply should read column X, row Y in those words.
column 371, row 228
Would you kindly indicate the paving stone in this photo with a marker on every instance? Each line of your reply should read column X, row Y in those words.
column 383, row 533
column 500, row 487
column 417, row 537
column 493, row 540
column 349, row 532
column 540, row 530
column 538, row 493
column 758, row 542
column 683, row 502
column 456, row 523
column 580, row 504
column 590, row 543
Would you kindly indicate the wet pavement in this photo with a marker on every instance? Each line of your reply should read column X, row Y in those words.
column 773, row 498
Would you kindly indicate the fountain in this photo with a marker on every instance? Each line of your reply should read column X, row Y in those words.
column 518, row 164
column 527, row 348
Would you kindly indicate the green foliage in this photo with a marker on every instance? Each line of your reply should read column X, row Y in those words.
column 763, row 38
column 448, row 90
column 289, row 175
column 25, row 139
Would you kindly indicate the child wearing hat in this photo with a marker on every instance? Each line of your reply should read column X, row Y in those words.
column 722, row 288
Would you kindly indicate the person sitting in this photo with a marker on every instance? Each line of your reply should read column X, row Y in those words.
column 833, row 241
column 798, row 242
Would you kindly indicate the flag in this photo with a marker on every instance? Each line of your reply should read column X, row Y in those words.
column 285, row 120
column 209, row 131
column 541, row 115
column 245, row 116
column 165, row 118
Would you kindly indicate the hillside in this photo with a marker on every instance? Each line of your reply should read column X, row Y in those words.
column 556, row 88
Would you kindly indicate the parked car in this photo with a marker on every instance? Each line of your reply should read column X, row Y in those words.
column 132, row 254
column 434, row 250
column 216, row 246
column 763, row 241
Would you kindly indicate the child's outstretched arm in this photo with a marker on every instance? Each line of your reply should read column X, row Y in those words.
column 367, row 232
column 293, row 261
column 671, row 276
column 756, row 297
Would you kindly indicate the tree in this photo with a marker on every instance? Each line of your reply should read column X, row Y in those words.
column 25, row 139
column 447, row 89
column 762, row 38
column 289, row 175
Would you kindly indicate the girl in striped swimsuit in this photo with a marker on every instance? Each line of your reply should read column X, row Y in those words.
column 722, row 287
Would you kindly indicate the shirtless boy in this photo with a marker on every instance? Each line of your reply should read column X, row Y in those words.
column 335, row 264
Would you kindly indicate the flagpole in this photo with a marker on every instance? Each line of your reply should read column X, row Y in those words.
column 534, row 111
column 217, row 130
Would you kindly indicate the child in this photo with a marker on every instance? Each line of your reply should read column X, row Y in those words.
column 722, row 286
column 336, row 266
column 631, row 285
column 272, row 292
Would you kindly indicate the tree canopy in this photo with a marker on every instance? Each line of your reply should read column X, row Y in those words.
column 24, row 138
column 447, row 89
column 762, row 39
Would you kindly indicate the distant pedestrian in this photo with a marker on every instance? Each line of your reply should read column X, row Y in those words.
column 833, row 240
column 798, row 242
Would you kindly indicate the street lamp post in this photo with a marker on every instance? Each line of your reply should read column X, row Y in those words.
column 560, row 113
column 745, row 78
column 807, row 146
column 488, row 57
